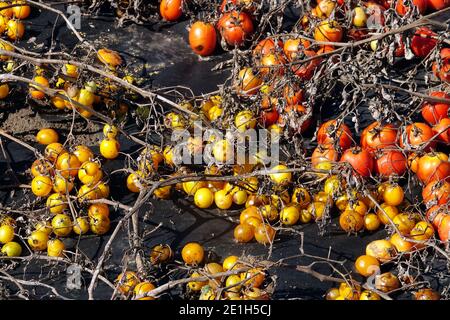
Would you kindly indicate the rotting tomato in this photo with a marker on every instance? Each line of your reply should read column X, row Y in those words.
column 267, row 46
column 247, row 82
column 202, row 38
column 306, row 69
column 433, row 112
column 360, row 160
column 235, row 27
column 292, row 47
column 390, row 162
column 192, row 253
column 423, row 42
column 328, row 31
column 351, row 221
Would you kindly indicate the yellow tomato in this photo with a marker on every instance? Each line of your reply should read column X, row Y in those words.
column 142, row 288
column 110, row 131
column 203, row 198
column 56, row 203
column 245, row 120
column 55, row 248
column 109, row 148
column 62, row 225
column 81, row 225
column 393, row 195
column 223, row 199
column 38, row 240
column 41, row 186
column 4, row 91
column 62, row 185
column 289, row 215
column 16, row 29
column 280, row 178
column 12, row 249
column 99, row 223
column 6, row 233
column 83, row 153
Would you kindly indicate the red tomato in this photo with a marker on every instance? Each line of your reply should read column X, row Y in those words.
column 444, row 229
column 361, row 161
column 443, row 70
column 235, row 27
column 433, row 166
column 293, row 47
column 443, row 129
column 202, row 38
column 418, row 135
column 323, row 153
column 377, row 136
column 306, row 70
column 436, row 213
column 328, row 133
column 267, row 46
column 269, row 117
column 171, row 10
column 390, row 162
column 422, row 42
column 437, row 192
column 436, row 5
column 402, row 9
column 433, row 112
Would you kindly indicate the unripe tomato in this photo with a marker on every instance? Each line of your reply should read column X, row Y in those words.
column 6, row 233
column 81, row 225
column 357, row 206
column 56, row 203
column 264, row 234
column 301, row 196
column 317, row 209
column 127, row 281
column 161, row 253
column 102, row 190
column 333, row 185
column 372, row 222
column 289, row 215
column 203, row 198
column 202, row 38
column 135, row 181
column 41, row 167
column 233, row 282
column 332, row 294
column 55, row 248
column 90, row 173
column 163, row 192
column 35, row 90
column 244, row 233
column 240, row 197
column 223, row 199
column 171, row 10
column 192, row 253
column 382, row 250
column 21, row 12
column 62, row 225
column 41, row 186
column 16, row 29
column 348, row 292
column 142, row 288
column 109, row 57
column 88, row 193
column 109, row 148
column 367, row 265
column 12, row 249
column 99, row 223
column 44, row 226
column 387, row 214
column 359, row 17
column 38, row 240
column 68, row 165
column 269, row 211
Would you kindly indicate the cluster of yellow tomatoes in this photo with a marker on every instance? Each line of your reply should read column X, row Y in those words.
column 54, row 178
column 246, row 285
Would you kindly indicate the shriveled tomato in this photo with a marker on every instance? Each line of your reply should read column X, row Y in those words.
column 433, row 112
column 292, row 116
column 442, row 69
column 202, row 38
column 329, row 132
column 292, row 94
column 306, row 70
column 378, row 136
column 267, row 46
column 422, row 42
column 235, row 27
column 360, row 160
column 402, row 9
column 433, row 166
column 437, row 192
column 323, row 153
column 269, row 117
column 443, row 130
column 418, row 135
column 444, row 229
column 171, row 10
column 390, row 162
column 247, row 82
column 292, row 47
column 271, row 64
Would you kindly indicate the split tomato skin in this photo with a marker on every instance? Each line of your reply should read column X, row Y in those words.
column 202, row 38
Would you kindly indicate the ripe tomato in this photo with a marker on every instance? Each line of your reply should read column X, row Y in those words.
column 12, row 249
column 436, row 192
column 433, row 166
column 280, row 178
column 271, row 65
column 367, row 265
column 372, row 222
column 21, row 12
column 444, row 229
column 402, row 9
column 192, row 253
column 305, row 70
column 422, row 42
column 6, row 233
column 55, row 248
column 393, row 194
column 360, row 160
column 442, row 70
column 203, row 198
column 235, row 27
column 293, row 113
column 47, row 136
column 62, row 225
column 289, row 215
column 400, row 244
column 443, row 129
column 390, row 162
column 54, row 150
column 38, row 240
column 109, row 148
column 329, row 132
column 266, row 46
column 351, row 221
column 293, row 47
column 404, row 223
column 68, row 165
column 223, row 199
column 389, row 213
column 382, row 250
column 143, row 288
column 230, row 262
column 98, row 209
column 99, row 224
column 16, row 29
column 433, row 112
column 328, row 31
column 8, row 13
column 202, row 38
column 244, row 233
column 422, row 231
column 56, row 203
column 81, row 225
column 247, row 83
column 378, row 136
column 41, row 186
column 35, row 90
column 269, row 117
column 436, row 5
column 83, row 153
column 264, row 233
column 436, row 213
column 418, row 135
column 171, row 10
column 255, row 277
